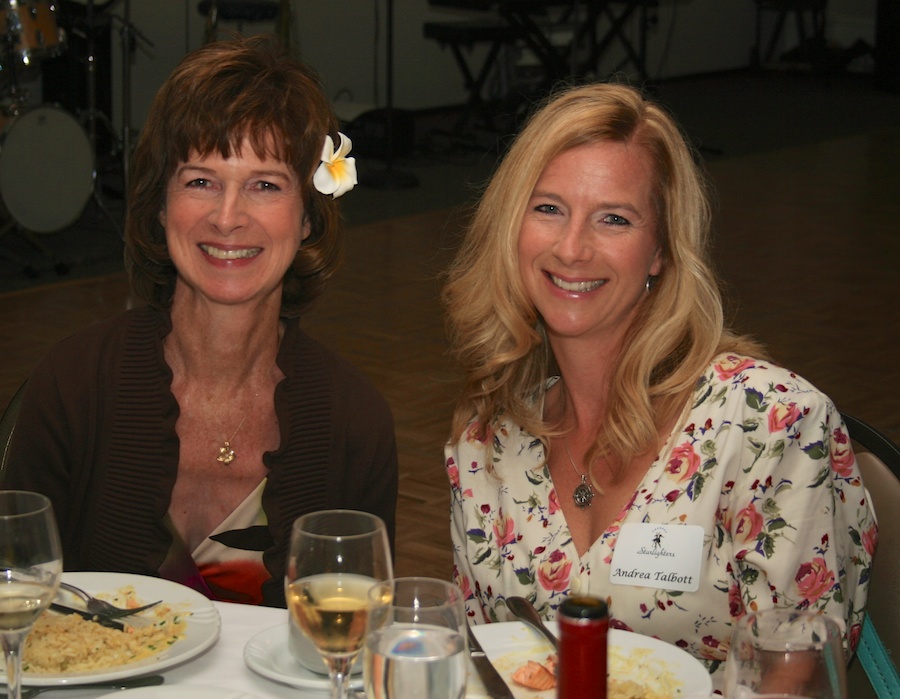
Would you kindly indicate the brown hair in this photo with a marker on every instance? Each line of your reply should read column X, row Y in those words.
column 216, row 97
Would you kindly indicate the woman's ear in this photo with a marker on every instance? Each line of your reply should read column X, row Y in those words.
column 162, row 218
column 657, row 265
column 305, row 229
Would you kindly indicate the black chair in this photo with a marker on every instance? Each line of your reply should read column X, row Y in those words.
column 811, row 42
column 8, row 425
column 466, row 34
column 239, row 11
column 873, row 673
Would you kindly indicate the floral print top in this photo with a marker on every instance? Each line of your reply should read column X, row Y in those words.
column 761, row 460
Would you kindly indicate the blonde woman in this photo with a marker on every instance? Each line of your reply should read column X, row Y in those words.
column 613, row 438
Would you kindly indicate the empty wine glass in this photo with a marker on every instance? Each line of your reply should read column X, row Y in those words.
column 30, row 568
column 786, row 654
column 336, row 556
column 416, row 642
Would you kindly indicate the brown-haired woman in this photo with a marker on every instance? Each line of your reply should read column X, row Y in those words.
column 613, row 438
column 182, row 439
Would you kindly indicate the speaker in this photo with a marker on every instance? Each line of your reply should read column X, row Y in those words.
column 887, row 45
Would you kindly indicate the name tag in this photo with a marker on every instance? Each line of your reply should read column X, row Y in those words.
column 666, row 556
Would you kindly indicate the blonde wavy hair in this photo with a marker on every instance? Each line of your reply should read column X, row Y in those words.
column 496, row 333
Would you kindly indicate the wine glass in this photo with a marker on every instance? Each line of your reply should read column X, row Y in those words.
column 335, row 557
column 786, row 654
column 30, row 568
column 416, row 643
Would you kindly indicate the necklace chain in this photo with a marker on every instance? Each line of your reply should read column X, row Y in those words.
column 584, row 491
column 226, row 451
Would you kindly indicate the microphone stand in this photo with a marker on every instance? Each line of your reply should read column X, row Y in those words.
column 389, row 178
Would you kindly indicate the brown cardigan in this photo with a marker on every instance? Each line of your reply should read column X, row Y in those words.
column 96, row 433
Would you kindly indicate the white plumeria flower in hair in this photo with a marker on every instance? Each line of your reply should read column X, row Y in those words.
column 336, row 174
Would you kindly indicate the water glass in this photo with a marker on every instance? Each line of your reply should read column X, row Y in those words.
column 416, row 640
column 786, row 654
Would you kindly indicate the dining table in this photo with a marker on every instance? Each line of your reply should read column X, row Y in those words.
column 223, row 666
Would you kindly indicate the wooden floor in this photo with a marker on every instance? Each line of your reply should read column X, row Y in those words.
column 808, row 246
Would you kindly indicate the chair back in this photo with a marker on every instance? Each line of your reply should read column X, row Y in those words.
column 879, row 461
column 8, row 426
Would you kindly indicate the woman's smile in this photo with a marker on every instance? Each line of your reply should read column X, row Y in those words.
column 229, row 254
column 575, row 286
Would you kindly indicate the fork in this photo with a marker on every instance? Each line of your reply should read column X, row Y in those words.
column 102, row 607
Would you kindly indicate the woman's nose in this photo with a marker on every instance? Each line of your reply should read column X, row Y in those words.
column 573, row 244
column 230, row 212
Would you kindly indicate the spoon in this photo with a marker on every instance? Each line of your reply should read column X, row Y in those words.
column 524, row 610
column 146, row 681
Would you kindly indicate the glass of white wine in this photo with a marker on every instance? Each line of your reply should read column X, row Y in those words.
column 30, row 569
column 336, row 556
column 416, row 645
column 785, row 654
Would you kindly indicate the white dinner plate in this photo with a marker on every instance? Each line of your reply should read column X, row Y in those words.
column 202, row 630
column 509, row 645
column 181, row 691
column 267, row 654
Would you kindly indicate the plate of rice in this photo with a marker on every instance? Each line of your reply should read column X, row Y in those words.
column 68, row 650
column 639, row 667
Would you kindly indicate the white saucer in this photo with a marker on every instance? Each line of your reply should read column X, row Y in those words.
column 267, row 654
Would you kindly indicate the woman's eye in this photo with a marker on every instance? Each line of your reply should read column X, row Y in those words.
column 615, row 220
column 268, row 186
column 547, row 208
column 199, row 182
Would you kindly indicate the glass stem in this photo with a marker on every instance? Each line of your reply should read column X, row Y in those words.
column 340, row 668
column 12, row 646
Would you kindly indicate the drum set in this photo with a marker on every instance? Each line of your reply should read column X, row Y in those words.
column 48, row 156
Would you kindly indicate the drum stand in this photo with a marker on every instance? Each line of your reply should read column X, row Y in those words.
column 92, row 116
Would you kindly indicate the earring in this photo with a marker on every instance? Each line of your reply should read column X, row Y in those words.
column 651, row 282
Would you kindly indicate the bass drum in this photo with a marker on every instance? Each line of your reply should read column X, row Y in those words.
column 46, row 169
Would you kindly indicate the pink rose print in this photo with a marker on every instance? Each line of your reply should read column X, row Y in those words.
column 870, row 539
column 853, row 636
column 782, row 416
column 553, row 502
column 553, row 572
column 732, row 365
column 504, row 529
column 619, row 624
column 684, row 462
column 453, row 473
column 466, row 587
column 814, row 579
column 476, row 433
column 735, row 603
column 842, row 461
column 749, row 524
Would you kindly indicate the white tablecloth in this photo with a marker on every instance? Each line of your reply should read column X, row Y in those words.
column 223, row 664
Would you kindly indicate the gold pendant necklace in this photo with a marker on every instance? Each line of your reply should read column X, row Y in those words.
column 584, row 491
column 226, row 452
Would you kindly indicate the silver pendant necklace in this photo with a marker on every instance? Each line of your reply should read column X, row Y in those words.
column 584, row 491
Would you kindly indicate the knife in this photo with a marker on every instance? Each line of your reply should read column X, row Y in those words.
column 62, row 609
column 494, row 684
